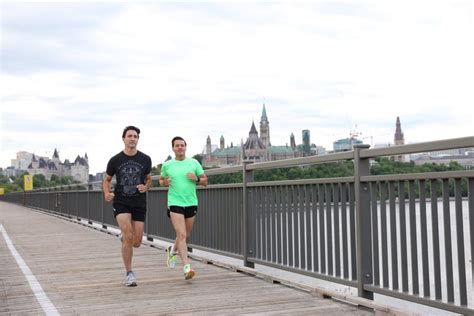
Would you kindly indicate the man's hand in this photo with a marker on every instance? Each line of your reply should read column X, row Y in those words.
column 165, row 181
column 192, row 176
column 142, row 188
column 109, row 196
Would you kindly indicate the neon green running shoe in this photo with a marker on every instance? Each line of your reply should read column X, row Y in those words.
column 170, row 257
column 188, row 272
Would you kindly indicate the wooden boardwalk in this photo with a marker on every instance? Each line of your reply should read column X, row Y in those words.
column 80, row 271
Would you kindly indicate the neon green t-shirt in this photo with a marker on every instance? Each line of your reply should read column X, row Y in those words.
column 182, row 191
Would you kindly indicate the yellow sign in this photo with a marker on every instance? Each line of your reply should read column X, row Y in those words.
column 28, row 180
column 2, row 191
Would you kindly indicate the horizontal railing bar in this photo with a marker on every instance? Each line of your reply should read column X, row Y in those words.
column 220, row 186
column 225, row 170
column 301, row 182
column 291, row 162
column 445, row 144
column 217, row 252
column 421, row 300
column 420, row 176
column 305, row 272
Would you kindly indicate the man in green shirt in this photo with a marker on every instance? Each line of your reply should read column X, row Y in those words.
column 181, row 174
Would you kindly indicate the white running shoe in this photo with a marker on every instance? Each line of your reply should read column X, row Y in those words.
column 130, row 280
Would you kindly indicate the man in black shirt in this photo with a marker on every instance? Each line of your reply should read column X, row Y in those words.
column 132, row 171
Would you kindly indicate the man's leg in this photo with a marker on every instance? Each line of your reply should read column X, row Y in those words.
column 189, row 222
column 137, row 233
column 124, row 220
column 180, row 229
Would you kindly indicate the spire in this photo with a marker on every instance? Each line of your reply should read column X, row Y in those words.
column 208, row 145
column 253, row 130
column 85, row 156
column 222, row 143
column 55, row 155
column 264, row 114
column 265, row 128
column 399, row 138
column 292, row 141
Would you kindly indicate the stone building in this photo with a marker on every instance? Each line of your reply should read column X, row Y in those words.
column 79, row 169
column 256, row 148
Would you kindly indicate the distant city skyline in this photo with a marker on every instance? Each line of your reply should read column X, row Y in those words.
column 73, row 75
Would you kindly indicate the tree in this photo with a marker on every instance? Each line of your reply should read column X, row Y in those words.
column 55, row 179
column 156, row 170
column 40, row 181
column 198, row 157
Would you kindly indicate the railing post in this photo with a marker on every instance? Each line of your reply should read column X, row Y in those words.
column 248, row 224
column 363, row 224
column 90, row 187
column 77, row 202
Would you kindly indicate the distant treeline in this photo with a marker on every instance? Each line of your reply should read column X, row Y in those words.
column 380, row 166
column 15, row 184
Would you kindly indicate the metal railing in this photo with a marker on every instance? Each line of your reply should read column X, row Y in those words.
column 399, row 235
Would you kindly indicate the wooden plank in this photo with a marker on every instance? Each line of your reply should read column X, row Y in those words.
column 81, row 271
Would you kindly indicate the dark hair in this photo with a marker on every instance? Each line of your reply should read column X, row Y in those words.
column 128, row 128
column 177, row 138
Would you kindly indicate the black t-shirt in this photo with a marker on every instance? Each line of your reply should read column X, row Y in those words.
column 129, row 171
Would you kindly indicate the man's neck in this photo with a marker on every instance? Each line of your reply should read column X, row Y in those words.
column 180, row 157
column 130, row 151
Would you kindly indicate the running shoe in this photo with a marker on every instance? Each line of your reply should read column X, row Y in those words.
column 170, row 257
column 188, row 272
column 130, row 280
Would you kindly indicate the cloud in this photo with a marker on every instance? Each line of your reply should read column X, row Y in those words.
column 74, row 74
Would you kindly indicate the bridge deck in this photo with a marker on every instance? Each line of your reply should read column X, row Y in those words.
column 81, row 272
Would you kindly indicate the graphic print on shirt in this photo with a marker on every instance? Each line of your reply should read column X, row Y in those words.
column 130, row 176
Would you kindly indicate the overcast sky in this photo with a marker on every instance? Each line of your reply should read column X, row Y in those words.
column 73, row 75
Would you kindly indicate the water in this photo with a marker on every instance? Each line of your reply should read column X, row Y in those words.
column 411, row 307
column 442, row 249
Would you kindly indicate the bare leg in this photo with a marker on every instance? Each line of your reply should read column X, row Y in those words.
column 189, row 225
column 180, row 243
column 189, row 222
column 137, row 233
column 124, row 221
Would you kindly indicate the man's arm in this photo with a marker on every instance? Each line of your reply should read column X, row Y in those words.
column 203, row 180
column 109, row 196
column 142, row 188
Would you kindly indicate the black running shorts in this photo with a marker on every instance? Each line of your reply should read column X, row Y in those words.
column 138, row 212
column 187, row 211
